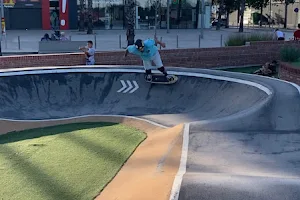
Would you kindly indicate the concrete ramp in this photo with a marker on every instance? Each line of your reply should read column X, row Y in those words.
column 64, row 95
column 242, row 139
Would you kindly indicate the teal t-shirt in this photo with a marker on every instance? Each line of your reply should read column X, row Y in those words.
column 150, row 50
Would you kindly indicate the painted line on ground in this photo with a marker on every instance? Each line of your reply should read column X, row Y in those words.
column 182, row 167
column 105, row 70
column 267, row 77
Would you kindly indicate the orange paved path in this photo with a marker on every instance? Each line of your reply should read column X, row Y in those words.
column 150, row 171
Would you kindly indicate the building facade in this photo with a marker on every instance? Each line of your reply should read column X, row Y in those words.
column 273, row 12
column 107, row 14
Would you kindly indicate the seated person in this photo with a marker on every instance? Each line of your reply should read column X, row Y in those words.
column 268, row 69
column 279, row 35
column 46, row 37
column 297, row 33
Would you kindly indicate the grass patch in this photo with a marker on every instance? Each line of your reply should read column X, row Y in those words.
column 240, row 39
column 68, row 162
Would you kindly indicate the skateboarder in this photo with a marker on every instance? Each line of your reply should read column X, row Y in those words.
column 148, row 52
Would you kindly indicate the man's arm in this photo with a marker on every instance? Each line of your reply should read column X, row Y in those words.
column 84, row 49
column 159, row 42
column 126, row 53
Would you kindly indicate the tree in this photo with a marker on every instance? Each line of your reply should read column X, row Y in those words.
column 242, row 9
column 230, row 6
column 179, row 12
column 156, row 6
column 258, row 4
column 90, row 17
column 226, row 6
column 81, row 15
column 286, row 4
column 130, row 20
column 221, row 9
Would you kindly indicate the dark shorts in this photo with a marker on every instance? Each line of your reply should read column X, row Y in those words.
column 281, row 38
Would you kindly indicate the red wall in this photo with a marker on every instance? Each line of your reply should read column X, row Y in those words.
column 46, row 15
column 63, row 14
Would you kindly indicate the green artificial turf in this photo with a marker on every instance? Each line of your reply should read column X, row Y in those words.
column 66, row 162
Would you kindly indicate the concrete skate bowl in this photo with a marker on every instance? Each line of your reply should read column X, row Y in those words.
column 66, row 93
column 224, row 113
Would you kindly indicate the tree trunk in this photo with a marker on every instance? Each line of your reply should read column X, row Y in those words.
column 197, row 14
column 90, row 17
column 227, row 18
column 220, row 15
column 81, row 15
column 285, row 14
column 238, row 14
column 178, row 12
column 241, row 28
column 261, row 15
column 130, row 20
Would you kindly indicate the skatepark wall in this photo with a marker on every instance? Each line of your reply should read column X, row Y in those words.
column 257, row 53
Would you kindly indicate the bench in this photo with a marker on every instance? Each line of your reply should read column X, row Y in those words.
column 60, row 46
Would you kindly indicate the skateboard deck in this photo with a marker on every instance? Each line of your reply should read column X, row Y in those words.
column 161, row 79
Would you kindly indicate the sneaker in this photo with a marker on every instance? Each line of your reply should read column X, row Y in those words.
column 149, row 77
column 170, row 78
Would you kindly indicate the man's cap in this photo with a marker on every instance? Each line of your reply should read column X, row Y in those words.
column 139, row 43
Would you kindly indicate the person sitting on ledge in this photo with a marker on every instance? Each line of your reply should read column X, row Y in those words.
column 279, row 35
column 46, row 37
column 269, row 69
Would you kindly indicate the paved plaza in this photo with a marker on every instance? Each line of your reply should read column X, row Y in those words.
column 18, row 41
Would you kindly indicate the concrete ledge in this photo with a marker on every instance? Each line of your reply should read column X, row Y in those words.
column 12, row 126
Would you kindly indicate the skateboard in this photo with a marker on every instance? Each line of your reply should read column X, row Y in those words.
column 161, row 79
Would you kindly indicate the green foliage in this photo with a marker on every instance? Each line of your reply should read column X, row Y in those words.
column 289, row 54
column 241, row 39
column 257, row 4
column 235, row 40
column 228, row 5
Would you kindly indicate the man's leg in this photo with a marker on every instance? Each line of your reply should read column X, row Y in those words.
column 147, row 66
column 158, row 62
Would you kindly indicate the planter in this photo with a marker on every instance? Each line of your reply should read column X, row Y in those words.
column 289, row 73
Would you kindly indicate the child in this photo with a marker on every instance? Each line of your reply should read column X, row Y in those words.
column 89, row 52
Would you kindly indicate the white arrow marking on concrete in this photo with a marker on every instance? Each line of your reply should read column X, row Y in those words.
column 124, row 86
column 130, row 88
column 136, row 87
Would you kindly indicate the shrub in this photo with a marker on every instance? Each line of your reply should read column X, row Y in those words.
column 235, row 40
column 241, row 39
column 289, row 54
